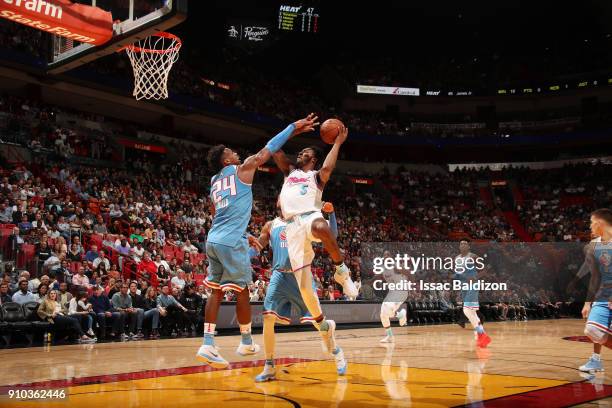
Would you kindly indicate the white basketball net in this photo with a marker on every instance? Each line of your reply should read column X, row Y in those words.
column 152, row 58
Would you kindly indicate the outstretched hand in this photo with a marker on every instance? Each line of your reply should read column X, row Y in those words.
column 342, row 135
column 307, row 124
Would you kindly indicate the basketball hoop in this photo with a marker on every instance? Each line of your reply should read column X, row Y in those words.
column 152, row 58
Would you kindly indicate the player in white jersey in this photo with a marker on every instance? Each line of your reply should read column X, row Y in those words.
column 300, row 201
column 393, row 301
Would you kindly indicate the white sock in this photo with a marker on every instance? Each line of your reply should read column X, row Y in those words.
column 596, row 357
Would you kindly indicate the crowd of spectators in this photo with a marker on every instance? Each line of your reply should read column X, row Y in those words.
column 556, row 206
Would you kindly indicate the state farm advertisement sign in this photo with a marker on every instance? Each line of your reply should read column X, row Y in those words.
column 77, row 22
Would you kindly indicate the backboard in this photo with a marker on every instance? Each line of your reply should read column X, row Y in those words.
column 133, row 20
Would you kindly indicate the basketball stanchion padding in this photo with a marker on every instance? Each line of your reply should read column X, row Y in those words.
column 152, row 59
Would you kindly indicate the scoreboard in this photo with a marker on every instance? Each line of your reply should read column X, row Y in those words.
column 301, row 19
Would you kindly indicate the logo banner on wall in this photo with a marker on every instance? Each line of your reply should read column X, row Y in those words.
column 388, row 90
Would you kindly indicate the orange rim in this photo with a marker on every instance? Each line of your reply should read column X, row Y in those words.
column 162, row 34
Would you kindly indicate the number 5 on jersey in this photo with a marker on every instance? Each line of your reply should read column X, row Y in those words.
column 226, row 183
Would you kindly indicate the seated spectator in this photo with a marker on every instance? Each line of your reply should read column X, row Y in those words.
column 54, row 262
column 170, row 310
column 113, row 272
column 147, row 269
column 187, row 266
column 100, row 226
column 82, row 310
column 103, row 309
column 24, row 226
column 6, row 213
column 23, row 295
column 137, row 252
column 33, row 284
column 80, row 280
column 92, row 254
column 194, row 316
column 109, row 283
column 189, row 247
column 64, row 297
column 23, row 275
column 159, row 261
column 39, row 223
column 123, row 248
column 43, row 252
column 101, row 270
column 116, row 288
column 179, row 280
column 163, row 277
column 41, row 292
column 49, row 310
column 202, row 292
column 150, row 304
column 138, row 304
column 136, row 236
column 5, row 297
column 101, row 258
column 122, row 302
column 74, row 254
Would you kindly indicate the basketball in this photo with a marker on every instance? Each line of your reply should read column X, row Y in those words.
column 330, row 129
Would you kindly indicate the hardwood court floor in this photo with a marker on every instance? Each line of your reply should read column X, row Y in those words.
column 527, row 364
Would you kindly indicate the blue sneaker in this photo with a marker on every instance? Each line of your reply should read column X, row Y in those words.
column 210, row 355
column 341, row 363
column 268, row 374
column 591, row 366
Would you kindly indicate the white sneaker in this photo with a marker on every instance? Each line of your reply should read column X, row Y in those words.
column 329, row 337
column 91, row 333
column 343, row 277
column 268, row 374
column 388, row 340
column 402, row 316
column 248, row 349
column 210, row 355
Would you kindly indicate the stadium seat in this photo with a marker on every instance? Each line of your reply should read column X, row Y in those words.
column 16, row 321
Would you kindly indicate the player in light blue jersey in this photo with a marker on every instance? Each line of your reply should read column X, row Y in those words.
column 465, row 270
column 284, row 293
column 227, row 243
column 599, row 301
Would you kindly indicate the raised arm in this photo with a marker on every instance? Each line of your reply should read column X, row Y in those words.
column 282, row 162
column 246, row 171
column 264, row 235
column 332, row 157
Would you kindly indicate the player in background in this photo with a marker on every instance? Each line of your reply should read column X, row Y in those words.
column 300, row 201
column 466, row 272
column 393, row 301
column 227, row 244
column 599, row 300
column 283, row 292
